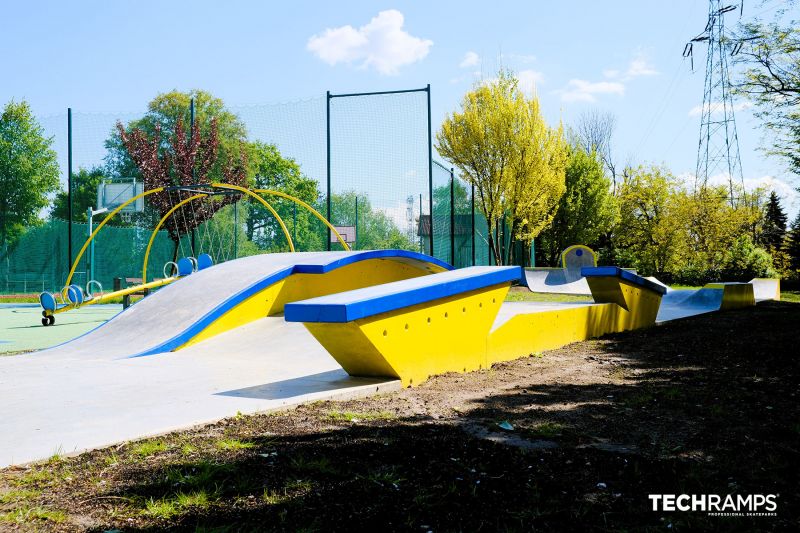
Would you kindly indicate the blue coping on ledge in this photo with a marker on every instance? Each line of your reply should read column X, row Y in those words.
column 617, row 272
column 361, row 303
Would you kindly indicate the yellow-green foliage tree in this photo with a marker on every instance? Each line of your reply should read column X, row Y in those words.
column 649, row 229
column 502, row 145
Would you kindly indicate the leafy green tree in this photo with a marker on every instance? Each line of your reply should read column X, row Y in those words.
column 586, row 210
column 270, row 170
column 792, row 245
column 774, row 223
column 501, row 144
column 84, row 195
column 28, row 171
column 165, row 111
column 648, row 227
column 770, row 53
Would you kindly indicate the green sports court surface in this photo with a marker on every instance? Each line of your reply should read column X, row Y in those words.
column 21, row 328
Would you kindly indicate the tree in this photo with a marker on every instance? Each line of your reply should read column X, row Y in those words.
column 270, row 170
column 164, row 112
column 770, row 53
column 792, row 245
column 595, row 130
column 648, row 227
column 183, row 161
column 28, row 171
column 586, row 210
column 774, row 223
column 375, row 230
column 84, row 195
column 501, row 144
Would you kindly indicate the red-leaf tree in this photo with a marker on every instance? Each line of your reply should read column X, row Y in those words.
column 171, row 165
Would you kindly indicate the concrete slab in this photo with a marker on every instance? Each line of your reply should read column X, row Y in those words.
column 68, row 405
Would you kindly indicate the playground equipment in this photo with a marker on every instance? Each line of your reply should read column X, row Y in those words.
column 73, row 296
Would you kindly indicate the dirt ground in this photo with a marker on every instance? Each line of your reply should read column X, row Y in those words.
column 706, row 405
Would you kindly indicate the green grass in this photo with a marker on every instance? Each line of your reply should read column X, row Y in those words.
column 525, row 296
column 167, row 508
column 548, row 430
column 30, row 514
column 13, row 496
column 351, row 416
column 149, row 447
column 790, row 296
column 233, row 444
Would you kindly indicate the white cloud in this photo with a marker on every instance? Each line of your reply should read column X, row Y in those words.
column 639, row 66
column 382, row 44
column 611, row 73
column 586, row 91
column 528, row 80
column 471, row 59
column 717, row 107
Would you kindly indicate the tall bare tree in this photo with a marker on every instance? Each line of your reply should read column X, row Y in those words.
column 595, row 130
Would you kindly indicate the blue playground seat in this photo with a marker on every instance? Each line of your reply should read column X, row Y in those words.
column 185, row 266
column 204, row 261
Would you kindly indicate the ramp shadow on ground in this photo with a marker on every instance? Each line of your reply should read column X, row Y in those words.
column 332, row 380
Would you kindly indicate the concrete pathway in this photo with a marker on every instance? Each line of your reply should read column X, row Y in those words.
column 51, row 404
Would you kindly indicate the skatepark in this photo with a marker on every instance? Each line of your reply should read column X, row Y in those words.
column 270, row 331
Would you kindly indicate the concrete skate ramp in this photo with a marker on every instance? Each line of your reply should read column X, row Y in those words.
column 713, row 297
column 766, row 289
column 182, row 311
column 554, row 280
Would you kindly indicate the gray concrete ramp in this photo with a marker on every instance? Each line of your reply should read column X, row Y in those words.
column 555, row 280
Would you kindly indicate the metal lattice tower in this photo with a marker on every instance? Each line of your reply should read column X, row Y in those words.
column 718, row 147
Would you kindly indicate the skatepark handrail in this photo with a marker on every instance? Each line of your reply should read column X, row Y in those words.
column 370, row 301
column 617, row 272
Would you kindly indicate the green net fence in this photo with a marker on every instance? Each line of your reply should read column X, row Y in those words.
column 377, row 160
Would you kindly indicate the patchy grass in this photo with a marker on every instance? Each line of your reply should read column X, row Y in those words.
column 149, row 447
column 25, row 515
column 523, row 295
column 697, row 406
column 349, row 416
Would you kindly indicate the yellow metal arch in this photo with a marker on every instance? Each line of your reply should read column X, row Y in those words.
column 100, row 226
column 158, row 227
column 309, row 208
column 264, row 203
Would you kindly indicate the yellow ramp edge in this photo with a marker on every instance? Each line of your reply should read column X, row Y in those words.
column 270, row 300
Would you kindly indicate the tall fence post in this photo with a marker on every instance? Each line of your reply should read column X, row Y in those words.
column 194, row 176
column 473, row 224
column 69, row 187
column 430, row 165
column 452, row 218
column 328, row 157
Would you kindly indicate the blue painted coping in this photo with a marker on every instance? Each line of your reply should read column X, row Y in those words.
column 320, row 267
column 617, row 272
column 370, row 301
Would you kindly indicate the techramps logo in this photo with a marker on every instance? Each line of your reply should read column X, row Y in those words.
column 716, row 504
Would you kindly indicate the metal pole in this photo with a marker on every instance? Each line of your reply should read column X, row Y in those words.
column 69, row 186
column 90, row 269
column 294, row 222
column 236, row 230
column 473, row 225
column 355, row 237
column 421, row 244
column 328, row 146
column 430, row 165
column 194, row 177
column 452, row 218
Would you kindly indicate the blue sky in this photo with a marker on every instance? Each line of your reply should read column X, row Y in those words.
column 622, row 56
